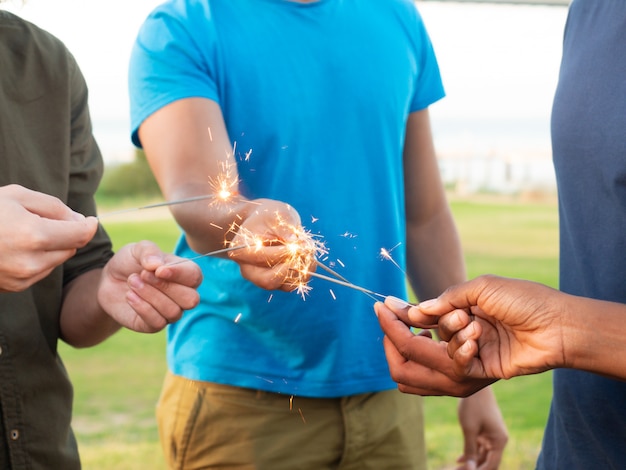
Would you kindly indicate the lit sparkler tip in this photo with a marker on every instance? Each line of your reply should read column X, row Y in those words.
column 225, row 185
column 386, row 255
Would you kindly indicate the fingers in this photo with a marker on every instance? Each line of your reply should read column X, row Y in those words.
column 165, row 290
column 46, row 222
column 403, row 311
column 183, row 273
column 154, row 292
column 275, row 266
column 421, row 365
column 279, row 253
column 460, row 296
column 41, row 233
column 53, row 235
column 481, row 454
column 158, row 303
column 38, row 203
column 452, row 323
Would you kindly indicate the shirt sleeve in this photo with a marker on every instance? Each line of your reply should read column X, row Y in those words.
column 172, row 58
column 429, row 87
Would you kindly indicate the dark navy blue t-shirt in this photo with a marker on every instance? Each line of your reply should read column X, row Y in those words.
column 587, row 423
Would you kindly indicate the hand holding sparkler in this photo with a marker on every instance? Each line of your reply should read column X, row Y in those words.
column 280, row 253
column 37, row 233
column 143, row 289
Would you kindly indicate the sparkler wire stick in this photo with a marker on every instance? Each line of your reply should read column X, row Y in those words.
column 340, row 277
column 347, row 284
column 371, row 295
column 331, row 271
column 210, row 253
column 159, row 204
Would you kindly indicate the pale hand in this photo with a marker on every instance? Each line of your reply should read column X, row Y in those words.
column 37, row 233
column 144, row 289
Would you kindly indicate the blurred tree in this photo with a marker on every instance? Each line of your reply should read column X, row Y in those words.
column 129, row 179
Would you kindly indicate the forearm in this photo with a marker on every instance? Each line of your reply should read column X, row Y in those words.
column 594, row 336
column 208, row 224
column 434, row 255
column 83, row 321
column 189, row 161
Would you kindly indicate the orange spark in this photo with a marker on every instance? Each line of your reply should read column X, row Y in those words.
column 225, row 184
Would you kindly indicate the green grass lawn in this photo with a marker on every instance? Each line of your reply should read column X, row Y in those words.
column 117, row 383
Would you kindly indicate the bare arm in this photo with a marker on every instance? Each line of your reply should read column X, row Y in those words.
column 139, row 288
column 434, row 255
column 435, row 261
column 187, row 145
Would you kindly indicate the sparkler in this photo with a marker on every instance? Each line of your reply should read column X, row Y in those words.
column 347, row 284
column 386, row 254
column 210, row 253
column 341, row 278
column 224, row 187
column 159, row 204
column 373, row 295
column 225, row 184
column 302, row 248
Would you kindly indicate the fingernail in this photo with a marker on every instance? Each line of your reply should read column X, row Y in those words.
column 77, row 216
column 135, row 281
column 395, row 302
column 427, row 303
column 154, row 260
column 376, row 308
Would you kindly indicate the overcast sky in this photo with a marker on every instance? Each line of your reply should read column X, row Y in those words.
column 499, row 62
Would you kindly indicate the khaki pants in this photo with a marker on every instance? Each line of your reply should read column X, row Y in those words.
column 204, row 425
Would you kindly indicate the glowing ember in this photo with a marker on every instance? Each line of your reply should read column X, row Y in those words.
column 226, row 184
column 301, row 249
column 386, row 254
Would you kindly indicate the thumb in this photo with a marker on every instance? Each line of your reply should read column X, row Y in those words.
column 470, row 450
column 469, row 463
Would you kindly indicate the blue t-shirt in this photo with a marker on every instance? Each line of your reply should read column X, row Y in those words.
column 587, row 423
column 320, row 94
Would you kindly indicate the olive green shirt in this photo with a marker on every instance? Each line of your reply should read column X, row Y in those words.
column 46, row 144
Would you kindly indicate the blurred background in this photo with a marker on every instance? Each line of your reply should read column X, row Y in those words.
column 499, row 61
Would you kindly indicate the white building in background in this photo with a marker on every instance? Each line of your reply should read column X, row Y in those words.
column 509, row 156
column 499, row 61
column 503, row 174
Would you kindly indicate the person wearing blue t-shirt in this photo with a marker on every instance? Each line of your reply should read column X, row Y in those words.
column 586, row 425
column 319, row 110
